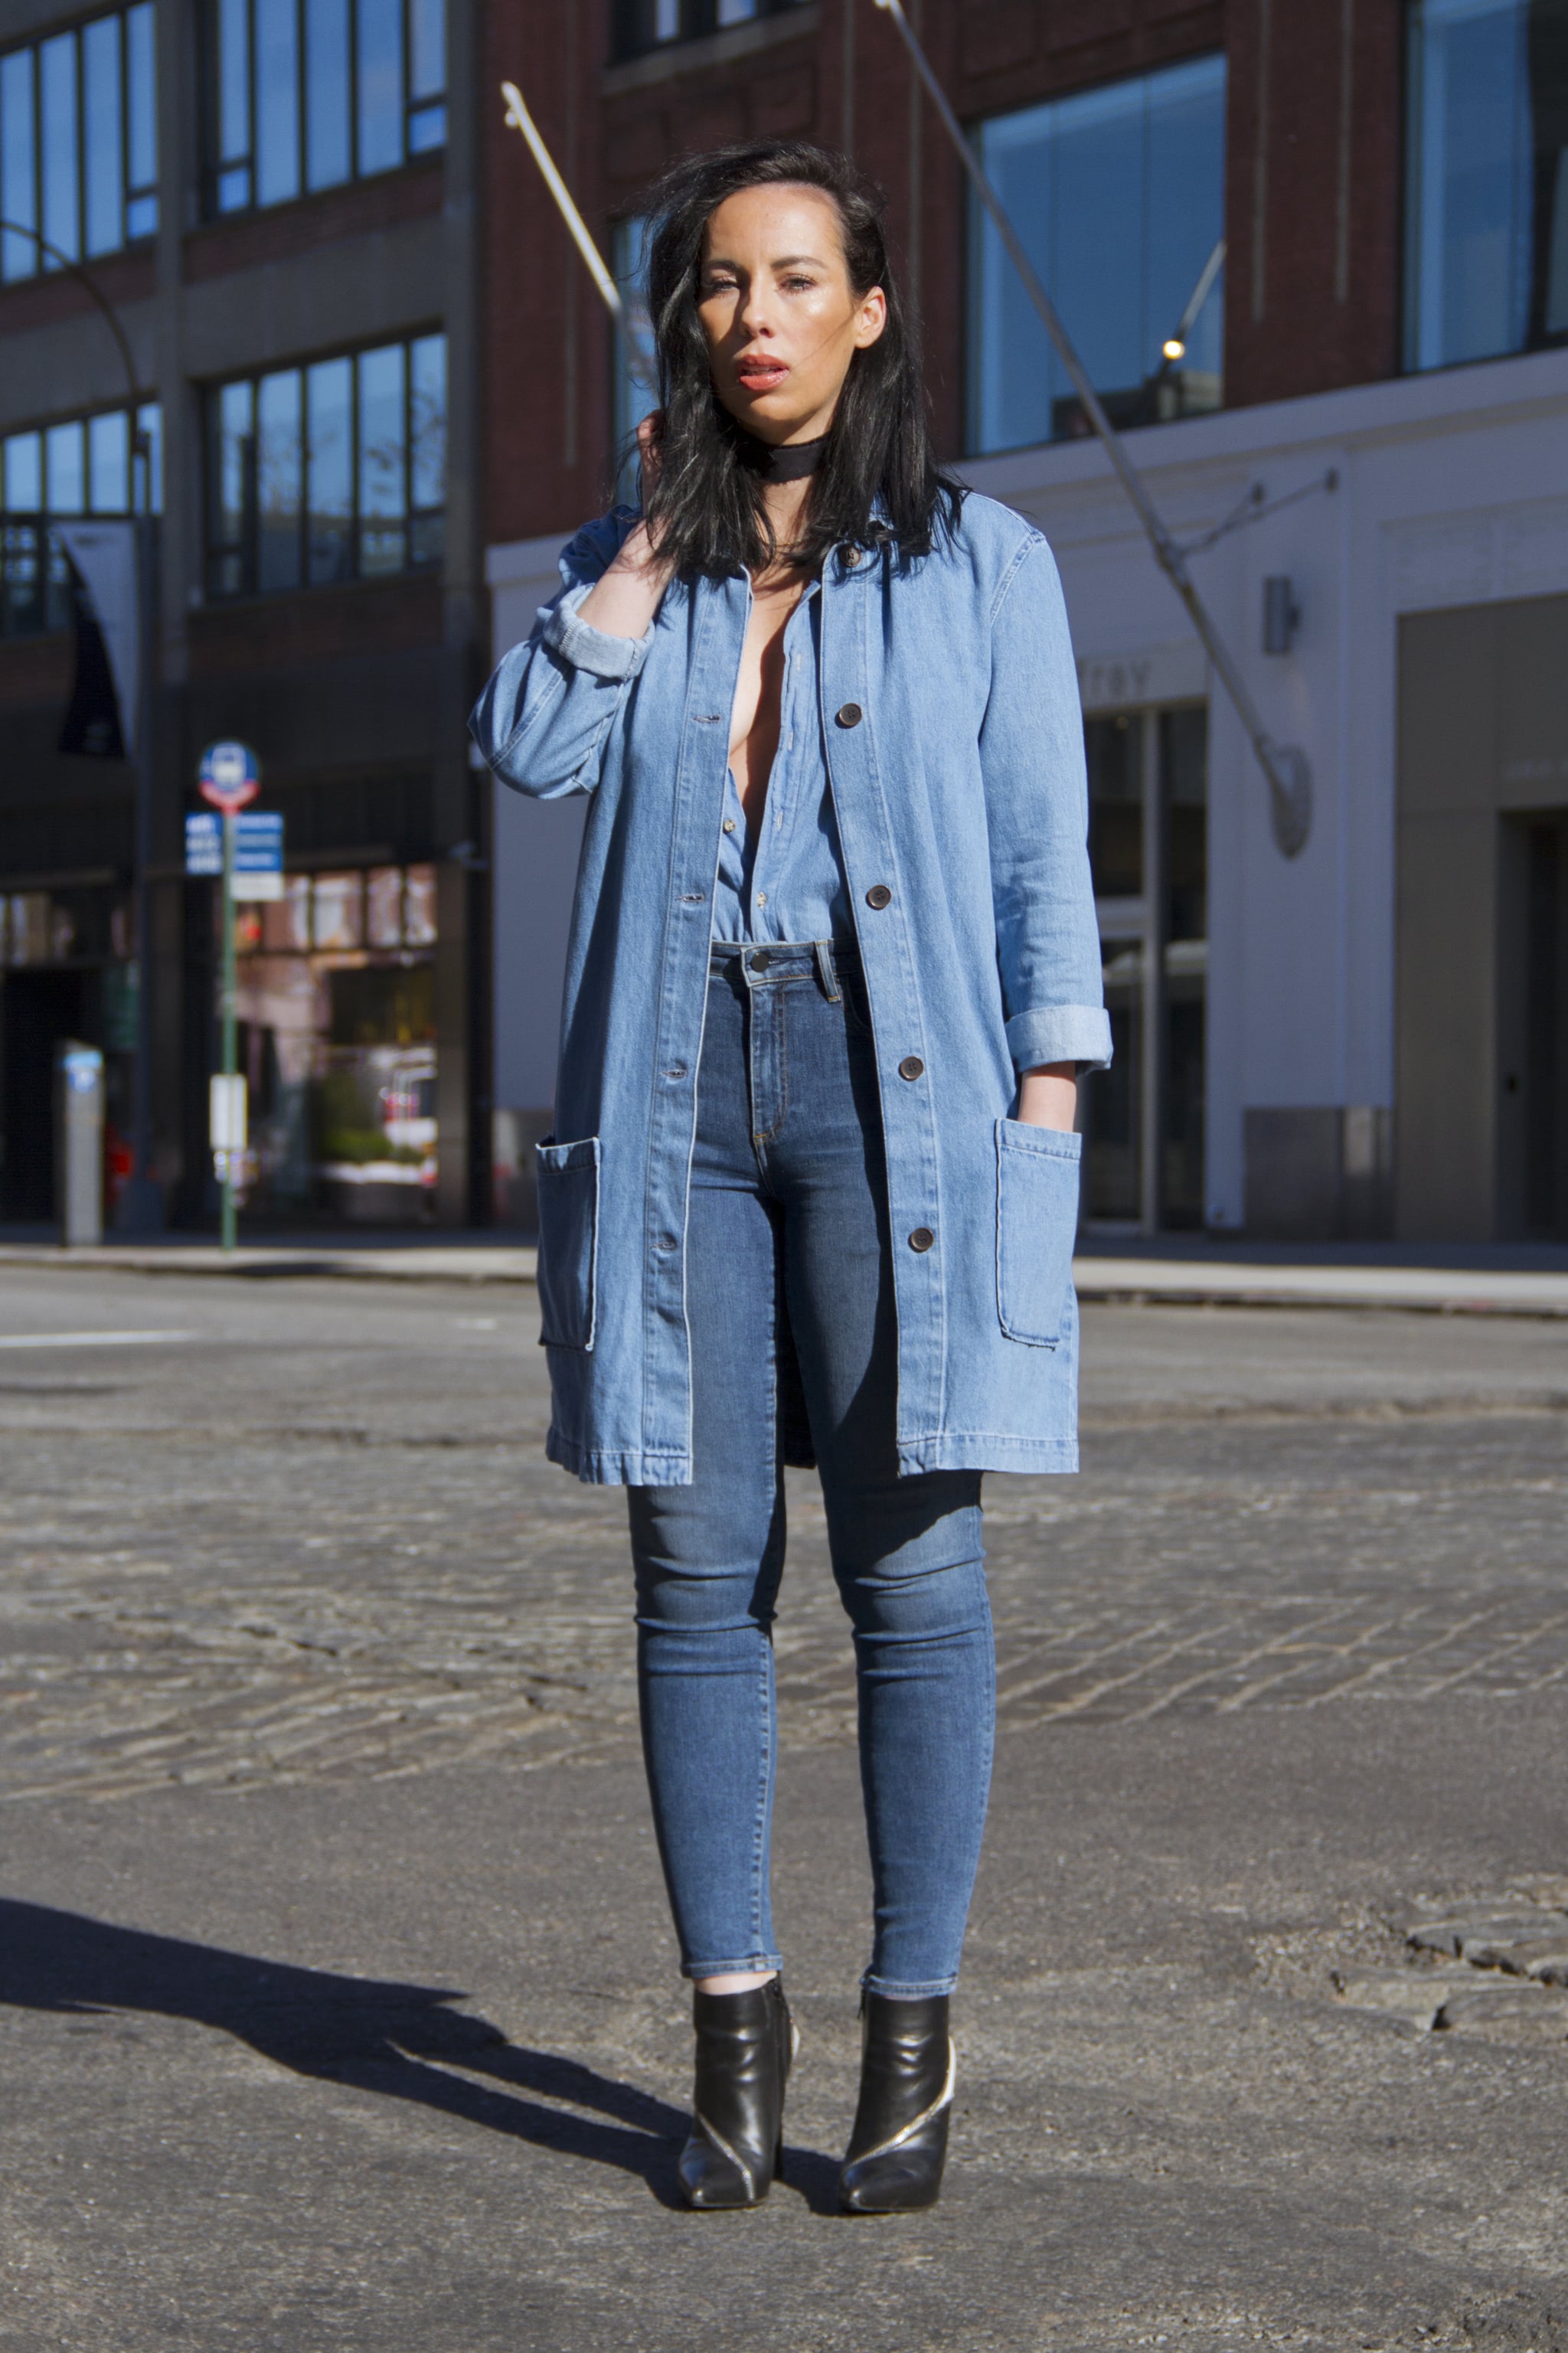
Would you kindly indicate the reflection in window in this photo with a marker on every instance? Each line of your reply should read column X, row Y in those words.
column 305, row 94
column 1487, row 193
column 1143, row 1118
column 81, row 466
column 78, row 156
column 1117, row 196
column 337, row 1009
column 635, row 372
column 332, row 472
column 640, row 25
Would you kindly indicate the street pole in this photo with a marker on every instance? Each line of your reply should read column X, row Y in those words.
column 229, row 1004
column 140, row 1209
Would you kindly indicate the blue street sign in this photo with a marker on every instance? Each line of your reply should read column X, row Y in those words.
column 257, row 842
column 204, row 842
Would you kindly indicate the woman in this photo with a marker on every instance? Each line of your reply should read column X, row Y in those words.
column 833, row 969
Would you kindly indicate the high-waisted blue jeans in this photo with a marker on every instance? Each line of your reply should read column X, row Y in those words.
column 788, row 1220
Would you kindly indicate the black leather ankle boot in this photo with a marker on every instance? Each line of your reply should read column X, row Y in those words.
column 900, row 2142
column 745, row 2042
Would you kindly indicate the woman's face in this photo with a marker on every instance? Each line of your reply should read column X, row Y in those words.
column 782, row 320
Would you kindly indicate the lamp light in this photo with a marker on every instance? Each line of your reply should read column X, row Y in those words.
column 1173, row 348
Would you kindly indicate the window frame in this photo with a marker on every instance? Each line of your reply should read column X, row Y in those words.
column 245, row 552
column 132, row 192
column 216, row 167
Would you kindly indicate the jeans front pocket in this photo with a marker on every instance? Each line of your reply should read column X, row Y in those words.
column 1036, row 1223
column 568, row 1241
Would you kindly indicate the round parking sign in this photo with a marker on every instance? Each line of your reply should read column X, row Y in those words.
column 229, row 775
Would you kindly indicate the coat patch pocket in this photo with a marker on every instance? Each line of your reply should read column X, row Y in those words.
column 568, row 1241
column 1036, row 1224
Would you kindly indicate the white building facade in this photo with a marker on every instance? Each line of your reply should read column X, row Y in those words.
column 1366, row 1040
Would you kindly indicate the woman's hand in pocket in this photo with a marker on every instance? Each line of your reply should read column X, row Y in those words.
column 1047, row 1097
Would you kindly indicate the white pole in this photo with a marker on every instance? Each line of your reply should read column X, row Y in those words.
column 518, row 115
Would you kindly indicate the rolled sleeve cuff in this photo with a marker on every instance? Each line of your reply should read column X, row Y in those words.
column 589, row 648
column 1060, row 1033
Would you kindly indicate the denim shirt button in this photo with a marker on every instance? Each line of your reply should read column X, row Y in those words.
column 921, row 1239
column 911, row 1067
column 849, row 714
column 878, row 896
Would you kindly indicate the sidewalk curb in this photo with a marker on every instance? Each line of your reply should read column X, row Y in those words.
column 1103, row 1282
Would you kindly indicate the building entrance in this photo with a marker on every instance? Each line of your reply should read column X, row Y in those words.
column 1532, row 1003
column 40, row 1011
column 1148, row 839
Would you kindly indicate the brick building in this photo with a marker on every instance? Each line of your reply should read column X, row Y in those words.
column 1353, row 220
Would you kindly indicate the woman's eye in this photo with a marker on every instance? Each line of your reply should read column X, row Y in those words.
column 799, row 285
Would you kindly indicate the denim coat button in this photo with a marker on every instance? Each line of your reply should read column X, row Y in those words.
column 921, row 1239
column 878, row 896
column 911, row 1067
column 849, row 714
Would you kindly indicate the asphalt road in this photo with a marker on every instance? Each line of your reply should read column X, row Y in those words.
column 337, row 2002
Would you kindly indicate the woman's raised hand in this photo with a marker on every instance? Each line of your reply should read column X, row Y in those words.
column 623, row 602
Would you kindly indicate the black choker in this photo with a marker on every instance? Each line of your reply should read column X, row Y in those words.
column 784, row 461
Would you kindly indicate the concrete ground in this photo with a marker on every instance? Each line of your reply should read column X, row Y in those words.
column 337, row 2000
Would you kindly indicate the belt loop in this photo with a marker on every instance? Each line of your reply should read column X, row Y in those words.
column 824, row 971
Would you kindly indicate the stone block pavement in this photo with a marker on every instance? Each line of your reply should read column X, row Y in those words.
column 337, row 2003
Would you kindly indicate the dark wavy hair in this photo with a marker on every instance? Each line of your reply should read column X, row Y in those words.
column 878, row 483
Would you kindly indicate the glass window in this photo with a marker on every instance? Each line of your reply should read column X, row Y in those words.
column 22, row 488
column 331, row 472
column 1487, row 196
column 78, row 141
column 140, row 122
column 641, row 24
column 18, row 161
column 277, row 84
column 61, row 146
column 383, row 907
column 327, row 93
column 233, row 486
column 64, row 474
column 427, row 447
column 108, row 463
column 635, row 368
column 305, row 94
column 330, row 443
column 427, row 74
column 1117, row 194
column 77, row 466
column 382, row 455
column 103, row 144
column 279, row 471
column 379, row 63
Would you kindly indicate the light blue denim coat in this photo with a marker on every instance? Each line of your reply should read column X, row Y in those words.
column 954, row 743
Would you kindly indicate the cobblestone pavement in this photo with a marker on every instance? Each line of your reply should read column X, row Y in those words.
column 331, row 2017
column 307, row 1531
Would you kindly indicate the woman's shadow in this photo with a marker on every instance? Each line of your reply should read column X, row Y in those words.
column 404, row 2041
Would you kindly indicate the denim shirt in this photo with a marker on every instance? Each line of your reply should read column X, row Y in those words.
column 952, row 737
column 784, row 880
